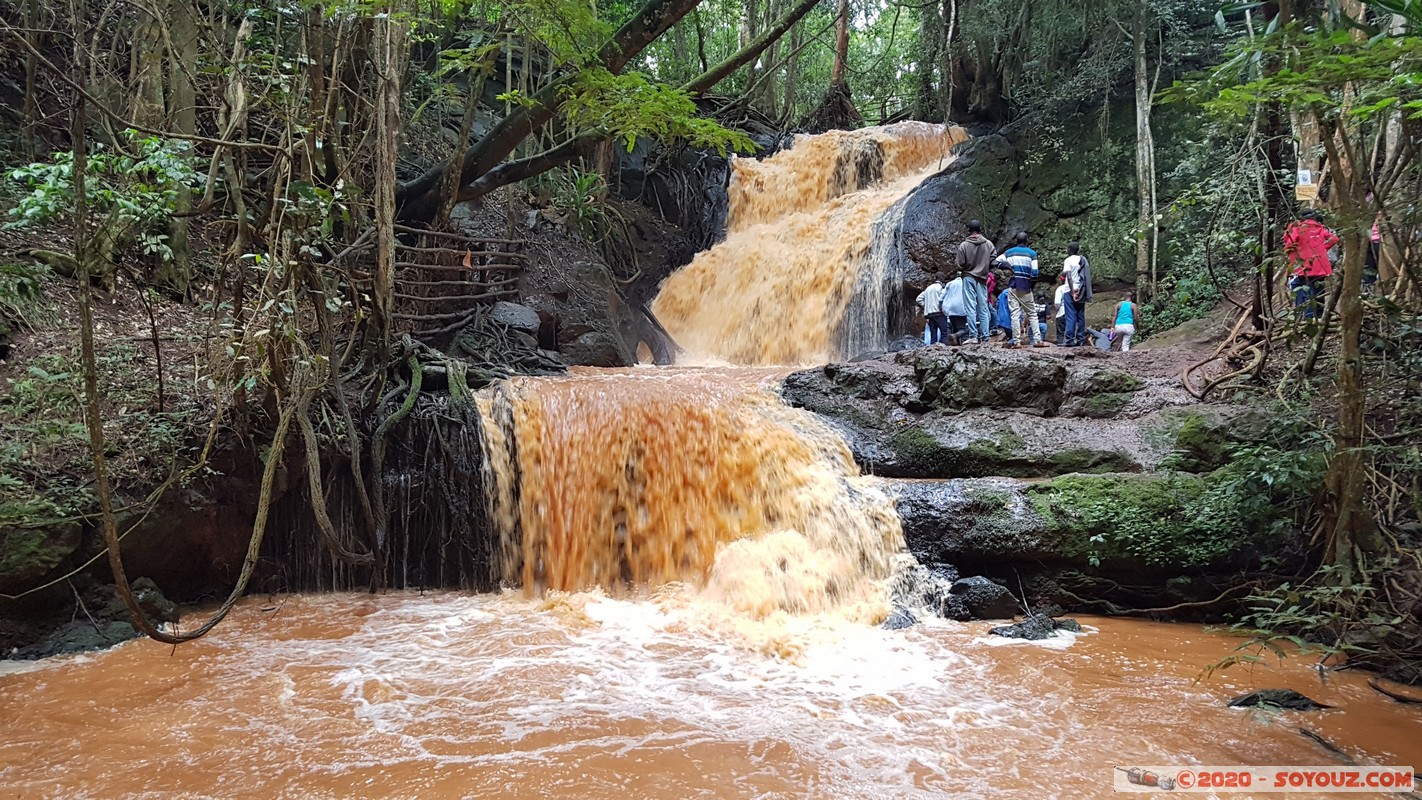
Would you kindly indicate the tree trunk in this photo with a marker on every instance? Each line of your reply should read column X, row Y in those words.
column 930, row 50
column 419, row 199
column 1144, row 158
column 146, row 71
column 389, row 45
column 176, row 273
column 946, row 68
column 1390, row 250
column 29, row 140
column 707, row 80
column 450, row 186
column 1353, row 531
column 792, row 71
column 841, row 44
column 768, row 94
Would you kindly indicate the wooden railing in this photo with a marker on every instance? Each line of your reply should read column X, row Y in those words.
column 442, row 278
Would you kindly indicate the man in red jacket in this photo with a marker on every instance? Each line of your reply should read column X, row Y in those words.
column 1307, row 243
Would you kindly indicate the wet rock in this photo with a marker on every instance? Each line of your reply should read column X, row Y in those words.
column 581, row 313
column 904, row 343
column 1122, row 525
column 899, row 619
column 985, row 599
column 1036, row 627
column 79, row 636
column 940, row 412
column 515, row 316
column 27, row 555
column 101, row 621
column 155, row 606
column 598, row 349
column 1285, row 699
column 977, row 184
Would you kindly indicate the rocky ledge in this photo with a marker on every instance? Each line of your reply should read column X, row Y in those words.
column 1056, row 471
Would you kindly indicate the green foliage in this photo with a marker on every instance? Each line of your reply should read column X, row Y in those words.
column 577, row 195
column 137, row 192
column 44, row 442
column 1317, row 68
column 1179, row 521
column 21, row 292
column 1324, row 616
column 571, row 31
column 628, row 106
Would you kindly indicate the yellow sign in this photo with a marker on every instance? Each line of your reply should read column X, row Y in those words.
column 1306, row 189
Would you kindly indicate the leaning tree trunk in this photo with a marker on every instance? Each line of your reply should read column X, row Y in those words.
column 419, row 199
column 530, row 166
column 707, row 80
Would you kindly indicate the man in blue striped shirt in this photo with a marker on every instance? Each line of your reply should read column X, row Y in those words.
column 1023, row 261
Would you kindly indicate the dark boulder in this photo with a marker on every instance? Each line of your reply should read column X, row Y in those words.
column 598, row 349
column 985, row 599
column 100, row 620
column 1277, row 699
column 977, row 184
column 899, row 619
column 516, row 317
column 930, row 589
column 1036, row 627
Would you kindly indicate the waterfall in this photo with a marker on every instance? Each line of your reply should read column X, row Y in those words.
column 646, row 477
column 804, row 274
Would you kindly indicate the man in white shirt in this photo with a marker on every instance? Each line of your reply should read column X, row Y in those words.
column 956, row 307
column 931, row 299
column 1077, row 271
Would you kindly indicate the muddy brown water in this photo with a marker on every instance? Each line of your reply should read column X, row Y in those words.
column 667, row 696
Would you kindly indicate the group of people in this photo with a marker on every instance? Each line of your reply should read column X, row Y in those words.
column 968, row 309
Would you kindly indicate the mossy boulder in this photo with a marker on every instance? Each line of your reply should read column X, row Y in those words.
column 955, row 380
column 28, row 554
column 1010, row 445
column 1111, row 524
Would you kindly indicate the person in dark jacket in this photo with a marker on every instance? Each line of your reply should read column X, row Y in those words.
column 975, row 257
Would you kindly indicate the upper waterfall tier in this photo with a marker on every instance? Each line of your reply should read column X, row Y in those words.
column 808, row 237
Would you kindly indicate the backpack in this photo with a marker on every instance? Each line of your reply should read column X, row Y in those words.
column 1085, row 280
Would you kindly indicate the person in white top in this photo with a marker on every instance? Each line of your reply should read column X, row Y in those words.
column 1059, row 301
column 931, row 300
column 956, row 307
column 1077, row 271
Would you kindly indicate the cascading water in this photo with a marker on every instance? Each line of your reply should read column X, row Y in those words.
column 644, row 477
column 802, row 276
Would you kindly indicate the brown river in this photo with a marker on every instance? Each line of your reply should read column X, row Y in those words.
column 670, row 696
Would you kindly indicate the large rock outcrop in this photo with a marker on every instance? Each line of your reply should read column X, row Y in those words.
column 1056, row 469
column 941, row 412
